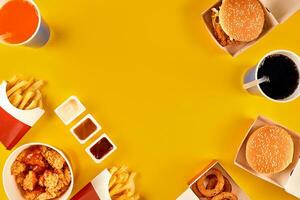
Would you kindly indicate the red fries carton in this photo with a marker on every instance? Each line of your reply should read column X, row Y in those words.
column 288, row 179
column 193, row 194
column 276, row 12
column 97, row 189
column 14, row 123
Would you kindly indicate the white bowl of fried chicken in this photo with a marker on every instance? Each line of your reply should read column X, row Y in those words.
column 37, row 171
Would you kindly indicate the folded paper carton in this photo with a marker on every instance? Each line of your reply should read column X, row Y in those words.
column 191, row 194
column 289, row 179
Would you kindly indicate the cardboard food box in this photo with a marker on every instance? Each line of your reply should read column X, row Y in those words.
column 276, row 12
column 97, row 189
column 14, row 123
column 191, row 194
column 289, row 179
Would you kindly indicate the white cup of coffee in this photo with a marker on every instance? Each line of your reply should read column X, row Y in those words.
column 275, row 77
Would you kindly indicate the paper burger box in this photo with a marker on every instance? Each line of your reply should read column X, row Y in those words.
column 97, row 189
column 14, row 123
column 289, row 179
column 191, row 192
column 276, row 12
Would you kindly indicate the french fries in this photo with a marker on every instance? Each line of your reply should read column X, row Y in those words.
column 24, row 93
column 121, row 185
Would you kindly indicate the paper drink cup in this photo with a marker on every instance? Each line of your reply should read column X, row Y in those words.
column 14, row 122
column 252, row 75
column 41, row 34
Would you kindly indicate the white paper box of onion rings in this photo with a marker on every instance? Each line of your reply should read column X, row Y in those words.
column 213, row 183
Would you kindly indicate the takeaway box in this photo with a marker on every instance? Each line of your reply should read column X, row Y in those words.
column 289, row 179
column 192, row 192
column 14, row 122
column 276, row 12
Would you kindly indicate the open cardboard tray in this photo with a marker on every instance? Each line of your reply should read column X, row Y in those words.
column 276, row 12
column 289, row 179
column 189, row 194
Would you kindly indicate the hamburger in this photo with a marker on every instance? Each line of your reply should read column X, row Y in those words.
column 237, row 21
column 269, row 150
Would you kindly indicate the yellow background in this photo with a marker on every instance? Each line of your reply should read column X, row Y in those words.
column 160, row 87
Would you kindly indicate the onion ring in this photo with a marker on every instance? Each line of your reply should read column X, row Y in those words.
column 227, row 186
column 225, row 195
column 219, row 185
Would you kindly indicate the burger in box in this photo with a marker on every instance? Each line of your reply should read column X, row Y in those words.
column 236, row 25
column 271, row 152
column 20, row 108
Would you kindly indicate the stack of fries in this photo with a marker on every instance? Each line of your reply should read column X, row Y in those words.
column 24, row 93
column 122, row 186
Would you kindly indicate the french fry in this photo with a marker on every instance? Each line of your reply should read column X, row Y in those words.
column 116, row 189
column 121, row 186
column 17, row 86
column 36, row 85
column 29, row 83
column 40, row 103
column 12, row 81
column 16, row 100
column 27, row 96
column 112, row 181
column 33, row 104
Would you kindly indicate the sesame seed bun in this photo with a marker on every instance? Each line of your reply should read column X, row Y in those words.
column 269, row 150
column 242, row 20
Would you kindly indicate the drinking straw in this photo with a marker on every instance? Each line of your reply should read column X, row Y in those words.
column 256, row 82
column 4, row 36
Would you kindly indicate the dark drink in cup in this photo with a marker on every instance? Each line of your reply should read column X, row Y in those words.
column 283, row 76
column 275, row 77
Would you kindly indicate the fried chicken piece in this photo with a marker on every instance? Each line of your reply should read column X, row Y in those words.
column 67, row 174
column 32, row 195
column 49, row 179
column 54, row 159
column 30, row 181
column 46, row 196
column 17, row 167
column 20, row 178
column 220, row 35
column 34, row 157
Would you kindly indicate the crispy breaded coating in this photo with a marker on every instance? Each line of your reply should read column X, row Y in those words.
column 54, row 159
column 17, row 168
column 220, row 35
column 30, row 181
column 20, row 178
column 50, row 179
column 32, row 195
column 21, row 155
column 67, row 174
column 46, row 196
